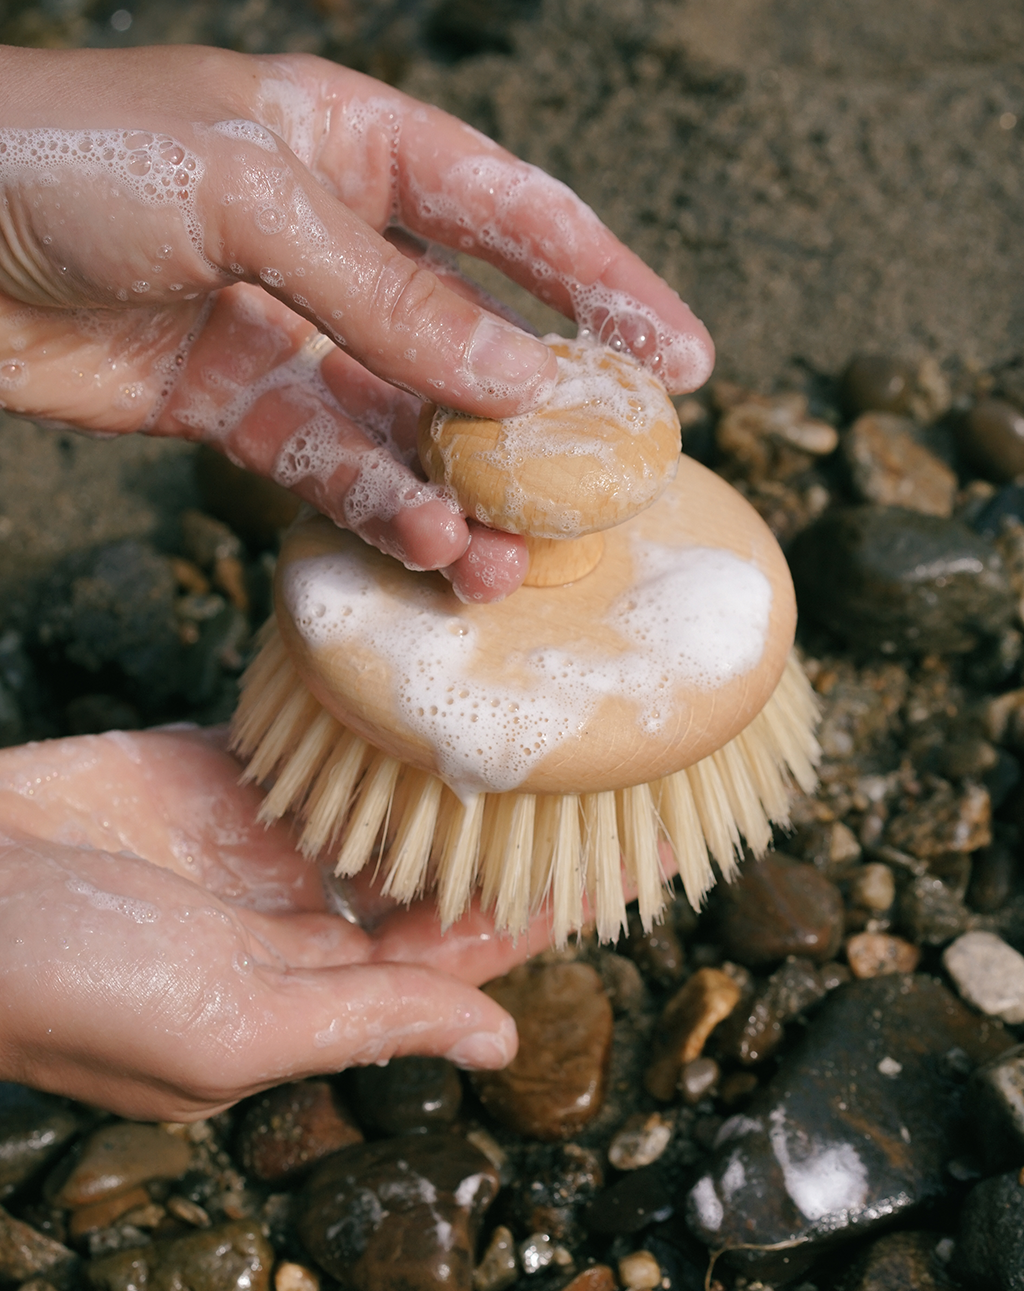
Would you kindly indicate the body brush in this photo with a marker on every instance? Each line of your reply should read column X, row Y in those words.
column 639, row 688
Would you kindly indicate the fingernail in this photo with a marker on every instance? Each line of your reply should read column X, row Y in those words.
column 500, row 354
column 484, row 1050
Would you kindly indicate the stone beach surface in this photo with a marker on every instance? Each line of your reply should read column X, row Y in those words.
column 817, row 1081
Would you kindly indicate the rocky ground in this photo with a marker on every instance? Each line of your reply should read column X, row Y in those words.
column 820, row 1073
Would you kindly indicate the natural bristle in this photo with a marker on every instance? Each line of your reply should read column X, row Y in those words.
column 523, row 852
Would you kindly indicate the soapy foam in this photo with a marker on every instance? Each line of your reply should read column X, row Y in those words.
column 154, row 169
column 248, row 132
column 696, row 618
column 823, row 1179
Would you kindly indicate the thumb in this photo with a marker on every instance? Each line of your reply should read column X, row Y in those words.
column 331, row 1018
column 394, row 315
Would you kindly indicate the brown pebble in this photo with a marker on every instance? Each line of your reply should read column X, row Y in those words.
column 890, row 468
column 556, row 1083
column 25, row 1252
column 497, row 1268
column 873, row 954
column 685, row 1024
column 948, row 820
column 189, row 1212
column 599, row 1277
column 778, row 907
column 992, row 436
column 873, row 887
column 640, row 1141
column 875, row 382
column 229, row 577
column 639, row 1271
column 295, row 1277
column 114, row 1159
column 736, row 1087
column 101, row 1214
column 189, row 576
column 288, row 1129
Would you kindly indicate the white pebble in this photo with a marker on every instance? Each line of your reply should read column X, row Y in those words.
column 988, row 974
column 295, row 1277
column 640, row 1141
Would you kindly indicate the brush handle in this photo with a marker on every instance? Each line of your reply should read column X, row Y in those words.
column 600, row 451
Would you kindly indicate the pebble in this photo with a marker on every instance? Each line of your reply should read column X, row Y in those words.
column 873, row 954
column 832, row 1142
column 990, row 1248
column 289, row 1276
column 34, row 1128
column 102, row 1214
column 997, row 1107
column 930, row 913
column 639, row 1271
column 658, row 953
column 286, row 1130
column 631, row 1203
column 900, row 1262
column 875, row 382
column 547, row 1197
column 873, row 886
column 687, row 1020
column 993, row 871
column 890, row 467
column 779, row 907
column 992, row 437
column 988, row 973
column 25, row 1252
column 948, row 820
column 498, row 1267
column 756, row 1029
column 895, row 581
column 697, row 1079
column 556, row 1083
column 408, row 1096
column 640, row 1141
column 623, row 982
column 399, row 1214
column 599, row 1277
column 769, row 437
column 114, row 1159
column 230, row 1257
column 536, row 1252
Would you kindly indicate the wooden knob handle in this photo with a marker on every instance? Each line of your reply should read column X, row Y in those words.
column 600, row 450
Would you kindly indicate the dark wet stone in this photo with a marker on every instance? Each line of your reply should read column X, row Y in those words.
column 547, row 1197
column 230, row 1257
column 777, row 908
column 114, row 1159
column 398, row 1214
column 25, row 1253
column 993, row 871
column 1008, row 503
column 556, row 1083
column 900, row 1262
column 658, row 953
column 462, row 27
column 996, row 1105
column 408, row 1096
column 91, row 714
column 33, row 1129
column 992, row 438
column 930, row 913
column 875, row 382
column 640, row 1198
column 857, row 1125
column 114, row 609
column 989, row 1254
column 288, row 1129
column 892, row 580
column 890, row 468
column 254, row 507
column 756, row 1029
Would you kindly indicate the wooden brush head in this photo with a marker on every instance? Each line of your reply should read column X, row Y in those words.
column 649, row 663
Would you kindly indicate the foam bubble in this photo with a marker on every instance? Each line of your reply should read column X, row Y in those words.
column 248, row 132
